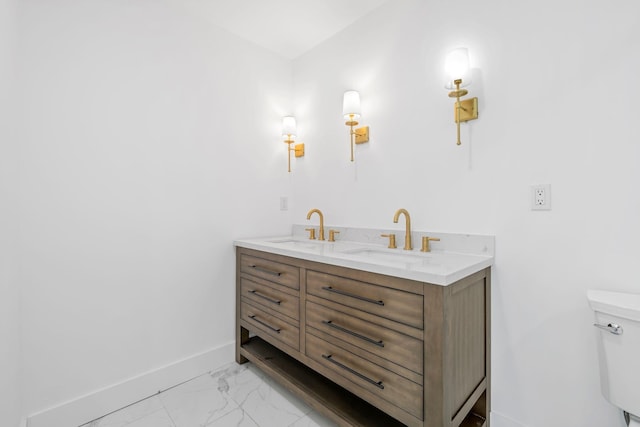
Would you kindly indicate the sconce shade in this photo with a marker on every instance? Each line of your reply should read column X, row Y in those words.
column 351, row 105
column 289, row 127
column 457, row 67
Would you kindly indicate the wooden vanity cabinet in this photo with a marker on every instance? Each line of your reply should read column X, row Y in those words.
column 367, row 349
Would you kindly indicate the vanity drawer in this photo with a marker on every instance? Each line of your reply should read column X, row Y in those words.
column 391, row 345
column 357, row 374
column 271, row 325
column 278, row 272
column 393, row 304
column 269, row 296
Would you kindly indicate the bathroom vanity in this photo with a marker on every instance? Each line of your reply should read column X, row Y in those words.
column 366, row 335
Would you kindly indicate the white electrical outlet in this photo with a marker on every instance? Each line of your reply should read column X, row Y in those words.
column 284, row 203
column 541, row 197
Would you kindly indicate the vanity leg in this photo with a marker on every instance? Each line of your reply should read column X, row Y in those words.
column 487, row 393
column 242, row 336
column 480, row 407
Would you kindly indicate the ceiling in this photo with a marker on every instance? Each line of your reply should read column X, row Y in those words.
column 287, row 27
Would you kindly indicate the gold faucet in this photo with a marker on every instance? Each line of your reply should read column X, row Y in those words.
column 425, row 243
column 312, row 233
column 407, row 236
column 321, row 231
column 392, row 240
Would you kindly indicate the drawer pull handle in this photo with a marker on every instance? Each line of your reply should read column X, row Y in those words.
column 259, row 295
column 354, row 372
column 266, row 270
column 347, row 294
column 329, row 323
column 253, row 317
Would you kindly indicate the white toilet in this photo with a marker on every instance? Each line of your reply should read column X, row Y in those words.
column 618, row 326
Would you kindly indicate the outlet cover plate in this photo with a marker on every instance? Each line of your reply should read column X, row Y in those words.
column 541, row 197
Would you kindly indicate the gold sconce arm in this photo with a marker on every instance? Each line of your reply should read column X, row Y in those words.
column 356, row 136
column 351, row 123
column 464, row 110
column 298, row 150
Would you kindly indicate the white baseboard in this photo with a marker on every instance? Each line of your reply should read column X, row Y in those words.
column 500, row 420
column 111, row 398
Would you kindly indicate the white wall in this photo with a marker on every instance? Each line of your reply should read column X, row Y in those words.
column 10, row 382
column 151, row 141
column 10, row 369
column 557, row 86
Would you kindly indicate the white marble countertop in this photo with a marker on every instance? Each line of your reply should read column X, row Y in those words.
column 454, row 257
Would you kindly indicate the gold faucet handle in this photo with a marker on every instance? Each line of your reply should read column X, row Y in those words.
column 312, row 233
column 392, row 240
column 425, row 243
column 332, row 235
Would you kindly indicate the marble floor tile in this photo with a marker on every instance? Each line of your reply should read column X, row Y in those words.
column 269, row 404
column 199, row 402
column 232, row 396
column 240, row 380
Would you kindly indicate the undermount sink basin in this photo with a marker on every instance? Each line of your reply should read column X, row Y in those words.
column 298, row 244
column 397, row 258
column 388, row 256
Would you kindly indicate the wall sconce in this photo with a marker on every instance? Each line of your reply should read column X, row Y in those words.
column 289, row 135
column 351, row 113
column 458, row 73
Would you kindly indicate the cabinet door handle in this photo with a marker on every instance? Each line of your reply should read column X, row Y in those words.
column 353, row 371
column 347, row 294
column 266, row 270
column 330, row 323
column 259, row 295
column 253, row 317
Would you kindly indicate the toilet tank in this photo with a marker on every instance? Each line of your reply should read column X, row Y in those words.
column 618, row 353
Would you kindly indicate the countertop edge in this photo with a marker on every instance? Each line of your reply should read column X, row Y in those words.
column 262, row 244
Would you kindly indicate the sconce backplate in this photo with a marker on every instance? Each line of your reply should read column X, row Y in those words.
column 468, row 110
column 299, row 150
column 362, row 135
